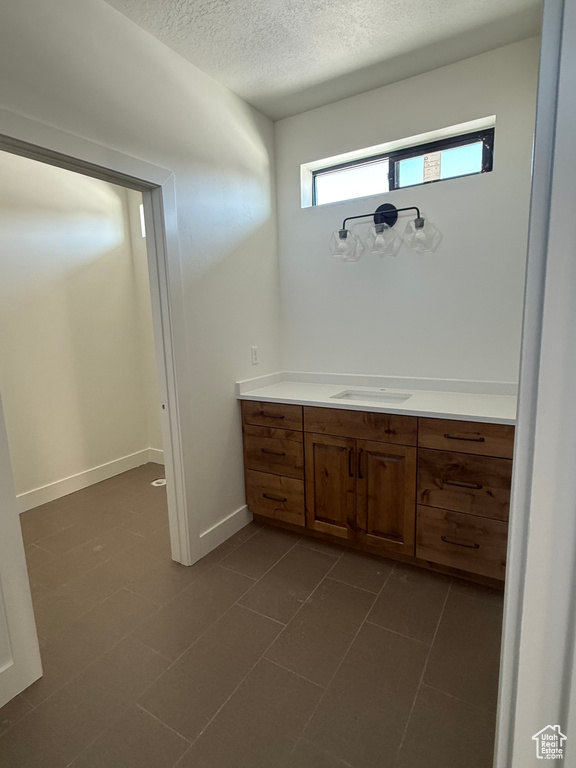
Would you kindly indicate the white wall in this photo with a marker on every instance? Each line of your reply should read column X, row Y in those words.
column 85, row 68
column 151, row 394
column 75, row 327
column 454, row 314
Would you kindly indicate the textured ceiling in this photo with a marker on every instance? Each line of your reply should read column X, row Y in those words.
column 286, row 56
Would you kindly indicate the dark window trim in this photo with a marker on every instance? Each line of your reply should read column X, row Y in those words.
column 486, row 136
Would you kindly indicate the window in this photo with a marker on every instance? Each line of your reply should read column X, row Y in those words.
column 463, row 155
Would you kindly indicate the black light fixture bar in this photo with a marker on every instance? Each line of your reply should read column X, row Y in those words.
column 384, row 214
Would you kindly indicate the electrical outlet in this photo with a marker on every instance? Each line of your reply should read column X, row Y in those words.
column 255, row 356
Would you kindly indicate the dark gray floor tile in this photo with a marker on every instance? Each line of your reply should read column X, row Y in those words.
column 102, row 547
column 167, row 579
column 260, row 552
column 85, row 529
column 316, row 640
column 63, row 657
column 465, row 657
column 319, row 545
column 284, row 589
column 136, row 740
column 259, row 725
column 29, row 744
column 53, row 612
column 143, row 522
column 179, row 623
column 190, row 693
column 78, row 713
column 364, row 571
column 106, row 645
column 411, row 602
column 368, row 703
column 445, row 732
column 308, row 755
column 37, row 559
column 12, row 712
column 114, row 618
column 126, row 670
column 478, row 592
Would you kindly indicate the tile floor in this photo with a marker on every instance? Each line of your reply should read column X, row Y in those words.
column 273, row 651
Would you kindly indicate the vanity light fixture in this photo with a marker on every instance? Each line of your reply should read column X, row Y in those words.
column 420, row 234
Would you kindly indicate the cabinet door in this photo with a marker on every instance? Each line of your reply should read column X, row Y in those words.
column 386, row 496
column 331, row 485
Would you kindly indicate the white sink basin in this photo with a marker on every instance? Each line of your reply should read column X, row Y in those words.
column 372, row 396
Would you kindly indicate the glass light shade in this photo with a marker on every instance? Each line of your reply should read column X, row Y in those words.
column 383, row 240
column 422, row 236
column 345, row 246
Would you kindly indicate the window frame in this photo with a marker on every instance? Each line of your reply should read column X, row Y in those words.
column 486, row 136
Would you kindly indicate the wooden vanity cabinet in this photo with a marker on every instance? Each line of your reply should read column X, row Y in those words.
column 331, row 485
column 434, row 492
column 361, row 490
column 386, row 495
column 274, row 461
column 464, row 478
column 360, row 480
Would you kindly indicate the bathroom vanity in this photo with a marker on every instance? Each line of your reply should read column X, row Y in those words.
column 368, row 473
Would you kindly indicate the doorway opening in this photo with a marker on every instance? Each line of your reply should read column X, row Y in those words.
column 78, row 383
column 134, row 198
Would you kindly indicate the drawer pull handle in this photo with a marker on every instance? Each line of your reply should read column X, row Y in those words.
column 448, row 436
column 350, row 470
column 462, row 484
column 273, row 453
column 360, row 475
column 459, row 543
column 266, row 415
column 273, row 498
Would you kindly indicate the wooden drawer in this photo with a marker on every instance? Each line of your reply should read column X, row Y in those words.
column 382, row 427
column 272, row 415
column 477, row 485
column 466, row 542
column 280, row 498
column 467, row 437
column 279, row 451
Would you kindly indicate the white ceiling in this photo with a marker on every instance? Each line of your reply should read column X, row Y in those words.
column 287, row 56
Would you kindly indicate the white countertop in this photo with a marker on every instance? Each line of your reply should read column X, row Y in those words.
column 433, row 403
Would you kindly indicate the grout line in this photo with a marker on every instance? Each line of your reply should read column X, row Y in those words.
column 394, row 632
column 457, row 698
column 258, row 613
column 187, row 740
column 425, row 667
column 262, row 657
column 292, row 672
column 319, row 551
column 322, row 750
column 96, row 565
column 119, row 715
column 341, row 581
column 121, row 587
column 239, row 573
column 354, row 586
column 215, row 715
column 345, row 654
column 177, row 659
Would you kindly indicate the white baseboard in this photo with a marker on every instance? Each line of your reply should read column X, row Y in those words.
column 59, row 488
column 156, row 455
column 216, row 535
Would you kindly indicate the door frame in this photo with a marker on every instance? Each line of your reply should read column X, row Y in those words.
column 37, row 141
column 538, row 662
